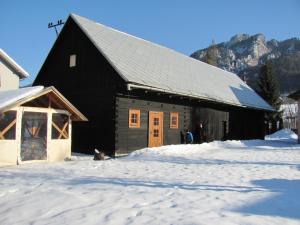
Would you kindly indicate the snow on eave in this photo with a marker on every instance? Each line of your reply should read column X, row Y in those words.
column 131, row 86
column 15, row 66
column 9, row 98
column 17, row 97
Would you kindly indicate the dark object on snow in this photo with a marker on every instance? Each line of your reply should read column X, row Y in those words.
column 98, row 155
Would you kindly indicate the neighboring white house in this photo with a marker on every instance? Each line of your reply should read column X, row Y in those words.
column 10, row 72
column 289, row 109
column 296, row 96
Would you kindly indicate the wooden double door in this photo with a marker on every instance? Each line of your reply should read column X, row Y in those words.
column 156, row 124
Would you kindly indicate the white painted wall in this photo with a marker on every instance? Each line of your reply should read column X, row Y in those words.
column 58, row 149
column 9, row 149
column 8, row 79
column 8, row 152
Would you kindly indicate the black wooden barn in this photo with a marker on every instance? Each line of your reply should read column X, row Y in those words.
column 138, row 94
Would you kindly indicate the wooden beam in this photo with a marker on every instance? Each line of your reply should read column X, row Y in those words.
column 3, row 132
column 53, row 100
column 49, row 102
column 59, row 130
column 63, row 130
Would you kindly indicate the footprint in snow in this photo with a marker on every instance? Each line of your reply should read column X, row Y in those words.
column 173, row 206
column 13, row 190
column 170, row 193
column 139, row 213
column 140, row 205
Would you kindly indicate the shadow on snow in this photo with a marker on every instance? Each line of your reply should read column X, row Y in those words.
column 284, row 201
column 203, row 161
column 125, row 182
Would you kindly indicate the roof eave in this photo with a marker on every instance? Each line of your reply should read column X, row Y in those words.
column 131, row 86
column 77, row 115
column 13, row 65
column 80, row 116
column 295, row 95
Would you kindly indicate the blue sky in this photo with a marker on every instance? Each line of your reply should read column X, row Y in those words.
column 184, row 26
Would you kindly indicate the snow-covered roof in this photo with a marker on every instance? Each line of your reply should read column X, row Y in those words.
column 12, row 63
column 147, row 64
column 8, row 98
column 17, row 97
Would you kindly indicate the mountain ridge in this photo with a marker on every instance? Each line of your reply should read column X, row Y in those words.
column 244, row 54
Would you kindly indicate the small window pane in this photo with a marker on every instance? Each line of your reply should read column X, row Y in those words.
column 72, row 60
column 155, row 133
column 60, row 126
column 134, row 118
column 8, row 125
column 156, row 121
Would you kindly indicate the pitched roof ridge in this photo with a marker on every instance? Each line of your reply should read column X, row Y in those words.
column 152, row 43
column 122, row 32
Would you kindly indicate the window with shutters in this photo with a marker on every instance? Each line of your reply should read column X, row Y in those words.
column 134, row 118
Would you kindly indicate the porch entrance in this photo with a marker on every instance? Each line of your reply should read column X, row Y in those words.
column 155, row 135
column 34, row 136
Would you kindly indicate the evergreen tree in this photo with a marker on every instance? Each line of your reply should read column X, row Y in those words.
column 269, row 91
column 211, row 54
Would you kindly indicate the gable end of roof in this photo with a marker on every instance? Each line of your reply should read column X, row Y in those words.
column 73, row 16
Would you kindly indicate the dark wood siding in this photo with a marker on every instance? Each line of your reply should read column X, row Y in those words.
column 213, row 122
column 129, row 139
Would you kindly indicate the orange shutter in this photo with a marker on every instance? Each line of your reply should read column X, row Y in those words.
column 174, row 120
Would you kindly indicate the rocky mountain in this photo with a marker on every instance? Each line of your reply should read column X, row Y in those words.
column 244, row 54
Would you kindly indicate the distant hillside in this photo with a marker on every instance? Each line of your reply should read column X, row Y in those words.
column 244, row 55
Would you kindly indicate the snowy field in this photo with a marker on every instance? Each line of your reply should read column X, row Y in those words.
column 232, row 182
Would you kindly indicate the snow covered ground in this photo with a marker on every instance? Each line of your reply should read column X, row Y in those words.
column 232, row 182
